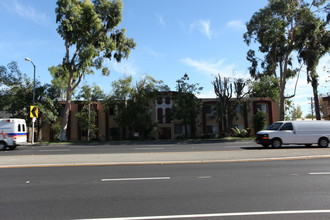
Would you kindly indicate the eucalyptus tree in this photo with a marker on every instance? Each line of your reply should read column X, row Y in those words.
column 186, row 105
column 87, row 116
column 121, row 92
column 275, row 28
column 90, row 34
column 140, row 105
column 265, row 86
column 132, row 104
column 314, row 43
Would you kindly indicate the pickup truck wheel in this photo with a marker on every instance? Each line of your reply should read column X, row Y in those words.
column 3, row 145
column 323, row 142
column 277, row 143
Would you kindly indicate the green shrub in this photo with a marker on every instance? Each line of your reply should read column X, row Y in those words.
column 236, row 132
column 259, row 121
column 57, row 130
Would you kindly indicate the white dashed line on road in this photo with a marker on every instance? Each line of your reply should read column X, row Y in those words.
column 204, row 177
column 136, row 179
column 320, row 173
column 149, row 148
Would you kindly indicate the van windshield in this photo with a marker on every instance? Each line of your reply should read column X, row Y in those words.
column 275, row 126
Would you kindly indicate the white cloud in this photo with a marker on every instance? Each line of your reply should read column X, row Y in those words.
column 27, row 12
column 214, row 67
column 203, row 26
column 236, row 25
column 161, row 20
column 124, row 67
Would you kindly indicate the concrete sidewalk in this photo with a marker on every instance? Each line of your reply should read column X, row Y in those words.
column 161, row 158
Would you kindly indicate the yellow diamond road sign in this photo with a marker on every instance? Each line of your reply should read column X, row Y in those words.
column 34, row 111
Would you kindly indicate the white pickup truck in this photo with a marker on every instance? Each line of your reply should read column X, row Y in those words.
column 295, row 132
column 13, row 132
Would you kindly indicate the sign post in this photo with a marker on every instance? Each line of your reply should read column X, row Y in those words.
column 34, row 113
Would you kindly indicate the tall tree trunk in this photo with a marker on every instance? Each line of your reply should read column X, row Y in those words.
column 283, row 71
column 65, row 120
column 89, row 121
column 316, row 99
column 282, row 107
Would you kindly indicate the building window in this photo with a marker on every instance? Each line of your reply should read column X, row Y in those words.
column 262, row 107
column 209, row 129
column 159, row 100
column 114, row 132
column 160, row 115
column 208, row 109
column 178, row 129
column 238, row 109
column 168, row 100
column 61, row 111
column 212, row 129
column 168, row 115
column 111, row 111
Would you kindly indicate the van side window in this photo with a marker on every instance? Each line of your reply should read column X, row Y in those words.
column 23, row 127
column 287, row 126
column 19, row 127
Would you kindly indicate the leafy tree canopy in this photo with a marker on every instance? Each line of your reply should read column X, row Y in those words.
column 16, row 96
column 186, row 104
column 277, row 29
column 90, row 34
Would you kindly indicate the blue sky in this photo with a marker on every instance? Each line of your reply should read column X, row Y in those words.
column 202, row 38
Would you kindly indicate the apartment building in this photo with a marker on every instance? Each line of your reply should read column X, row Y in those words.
column 325, row 106
column 207, row 122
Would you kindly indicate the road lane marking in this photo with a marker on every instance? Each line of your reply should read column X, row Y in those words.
column 136, row 179
column 54, row 150
column 162, row 145
column 204, row 177
column 218, row 215
column 320, row 173
column 149, row 148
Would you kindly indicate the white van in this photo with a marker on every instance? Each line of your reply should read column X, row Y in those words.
column 13, row 132
column 295, row 132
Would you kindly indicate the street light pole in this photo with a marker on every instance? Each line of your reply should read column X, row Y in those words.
column 34, row 94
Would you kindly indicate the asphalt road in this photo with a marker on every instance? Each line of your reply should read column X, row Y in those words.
column 292, row 189
column 54, row 149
